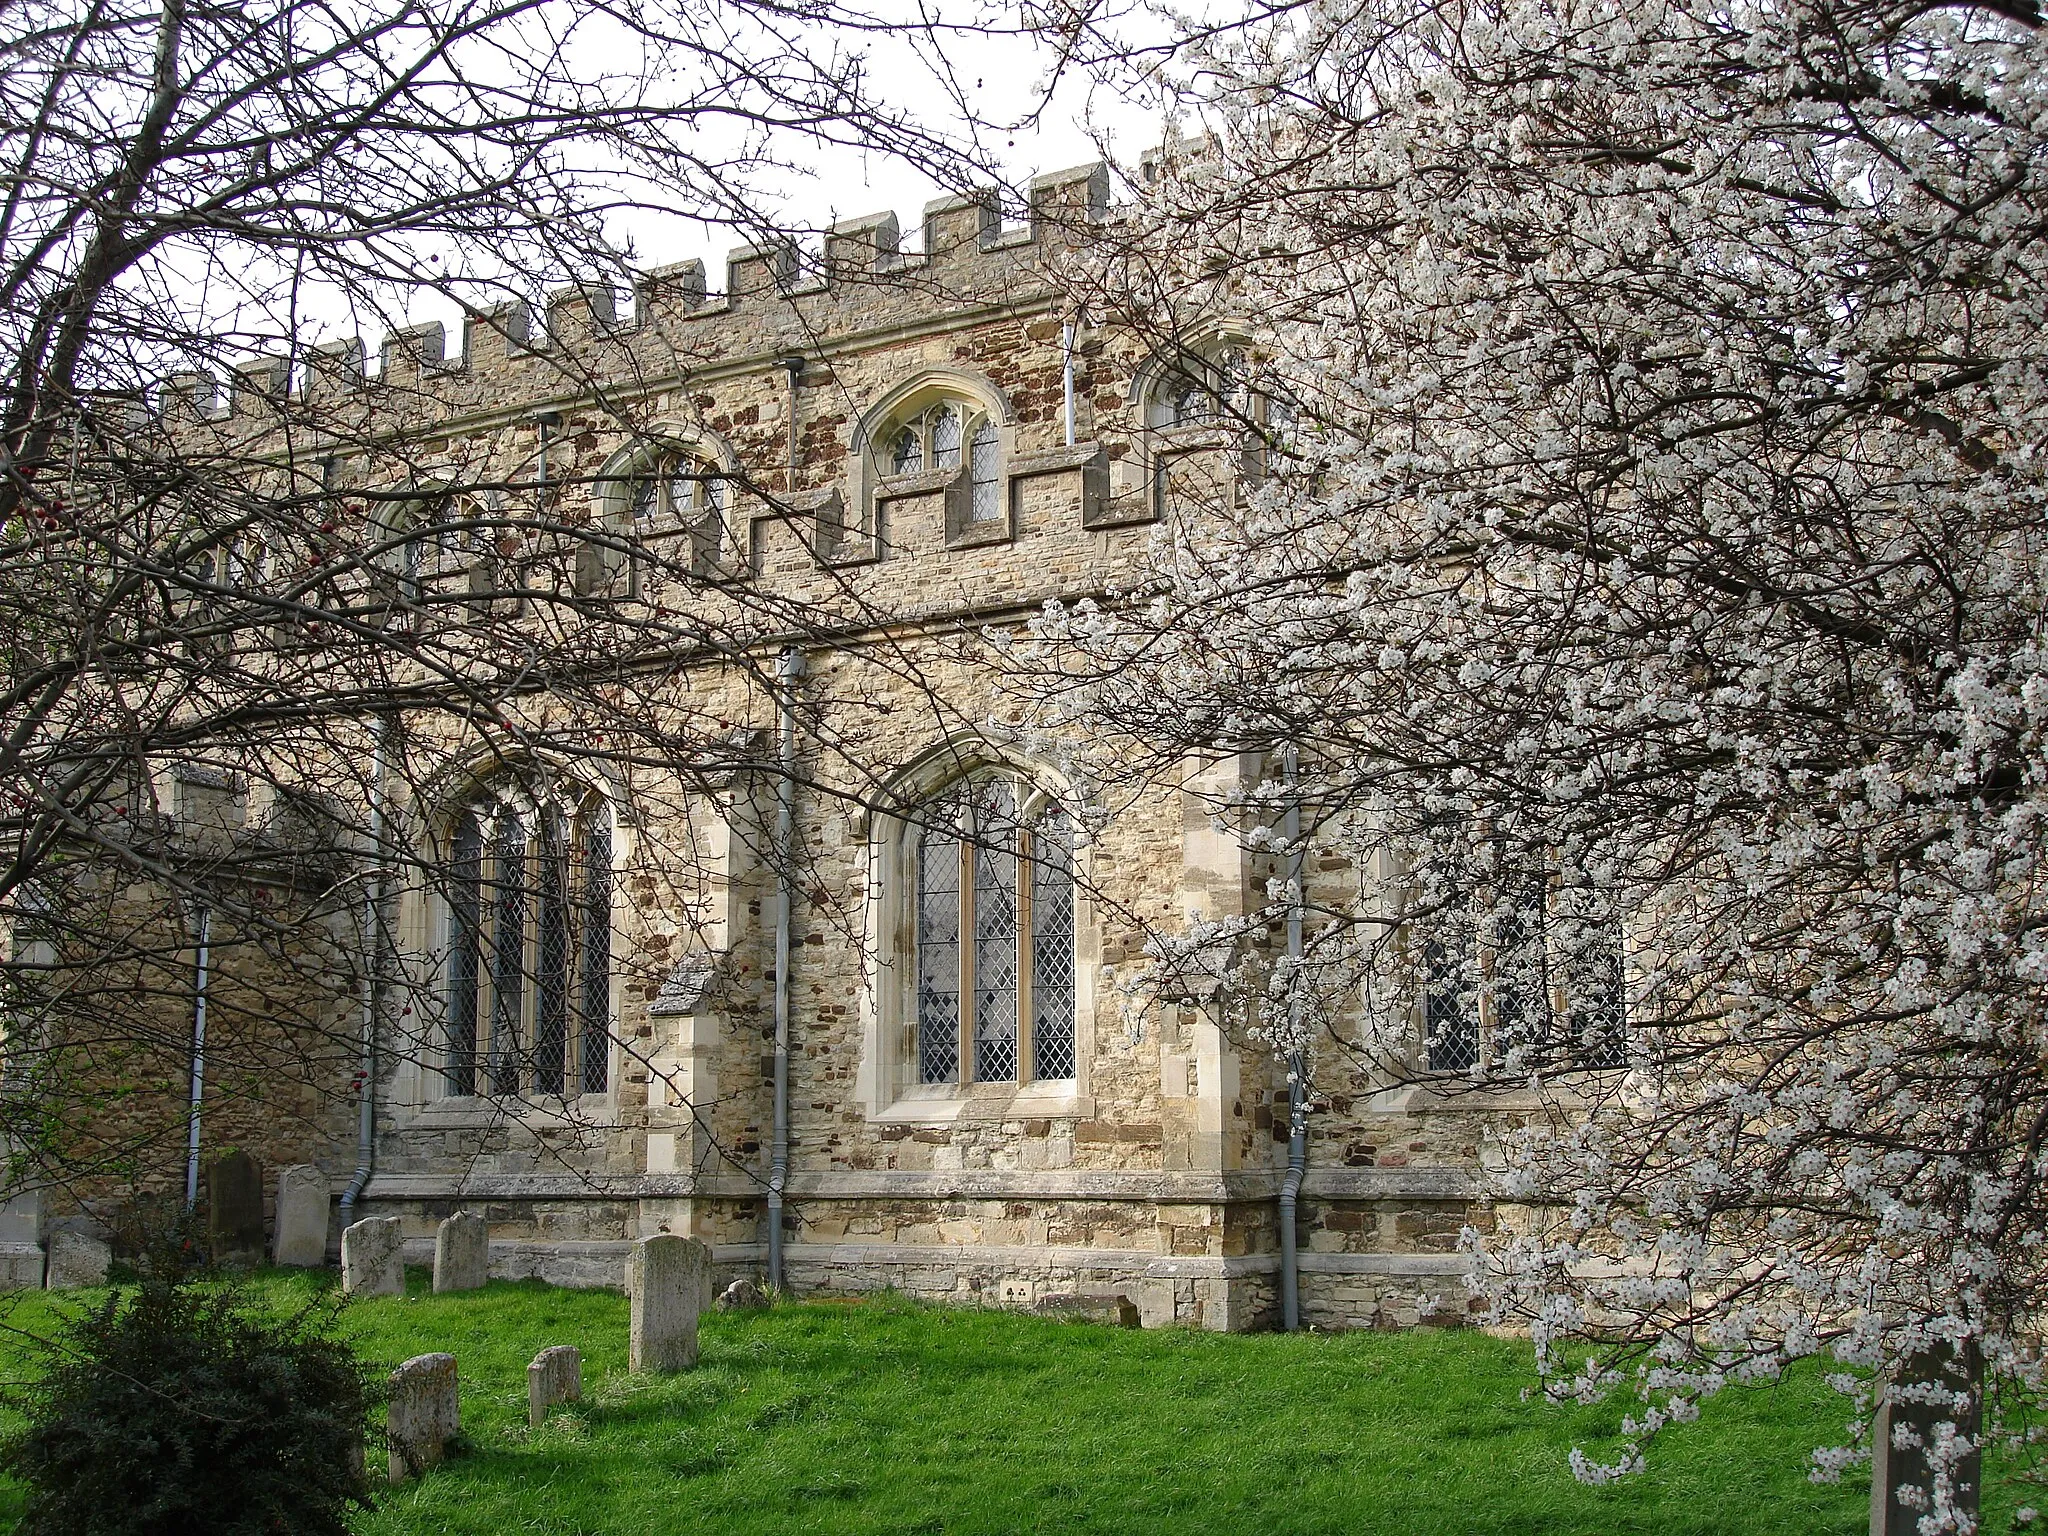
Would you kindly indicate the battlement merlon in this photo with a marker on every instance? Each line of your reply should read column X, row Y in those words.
column 863, row 279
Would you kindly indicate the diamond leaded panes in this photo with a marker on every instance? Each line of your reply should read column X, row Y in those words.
column 938, row 956
column 1052, row 948
column 995, row 928
column 995, row 934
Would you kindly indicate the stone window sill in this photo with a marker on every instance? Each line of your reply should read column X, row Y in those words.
column 950, row 1103
column 476, row 1111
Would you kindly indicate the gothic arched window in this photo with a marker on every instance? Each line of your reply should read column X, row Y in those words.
column 529, row 902
column 947, row 436
column 994, row 934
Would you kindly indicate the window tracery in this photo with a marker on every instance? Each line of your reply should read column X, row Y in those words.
column 994, row 937
column 528, row 972
column 1533, row 958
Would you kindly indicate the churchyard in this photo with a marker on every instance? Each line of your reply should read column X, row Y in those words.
column 879, row 1415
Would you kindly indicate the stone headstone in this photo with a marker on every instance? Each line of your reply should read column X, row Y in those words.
column 21, row 1242
column 77, row 1259
column 373, row 1258
column 1895, row 1466
column 234, row 1209
column 302, row 1198
column 425, row 1413
column 462, row 1253
column 555, row 1376
column 667, row 1279
column 1118, row 1311
column 742, row 1296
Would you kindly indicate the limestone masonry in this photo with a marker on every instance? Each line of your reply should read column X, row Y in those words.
column 924, row 446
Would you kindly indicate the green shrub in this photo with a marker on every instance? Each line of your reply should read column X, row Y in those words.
column 178, row 1408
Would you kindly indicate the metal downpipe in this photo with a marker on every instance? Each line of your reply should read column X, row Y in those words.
column 204, row 931
column 1297, row 1088
column 789, row 668
column 366, row 1070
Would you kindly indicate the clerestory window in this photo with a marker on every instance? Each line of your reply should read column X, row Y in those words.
column 951, row 435
column 995, row 967
column 529, row 898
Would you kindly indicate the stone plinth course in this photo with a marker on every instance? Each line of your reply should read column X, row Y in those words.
column 667, row 1281
column 555, row 1376
column 302, row 1210
column 462, row 1252
column 234, row 1208
column 77, row 1259
column 373, row 1258
column 425, row 1414
column 1117, row 1310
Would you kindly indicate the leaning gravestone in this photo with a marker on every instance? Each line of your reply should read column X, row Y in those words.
column 77, row 1259
column 667, row 1279
column 234, row 1215
column 425, row 1414
column 1895, row 1466
column 373, row 1258
column 556, row 1376
column 302, row 1195
column 462, row 1252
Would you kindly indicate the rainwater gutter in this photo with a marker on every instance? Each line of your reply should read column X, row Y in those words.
column 789, row 668
column 366, row 1070
column 1297, row 1087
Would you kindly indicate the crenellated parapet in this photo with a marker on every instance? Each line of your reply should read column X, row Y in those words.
column 768, row 301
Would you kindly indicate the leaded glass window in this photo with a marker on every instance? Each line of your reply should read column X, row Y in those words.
column 946, row 437
column 995, row 935
column 1450, row 1018
column 939, row 858
column 1052, row 947
column 465, row 953
column 994, row 926
column 1521, row 973
column 985, row 502
column 528, row 897
column 942, row 437
column 1597, row 995
column 909, row 456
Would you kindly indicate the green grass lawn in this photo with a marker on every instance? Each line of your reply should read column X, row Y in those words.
column 883, row 1416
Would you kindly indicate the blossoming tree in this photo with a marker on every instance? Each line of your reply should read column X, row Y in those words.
column 1638, row 530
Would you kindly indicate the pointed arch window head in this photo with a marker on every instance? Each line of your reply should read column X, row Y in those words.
column 528, row 963
column 942, row 436
column 1205, row 387
column 676, row 489
column 994, row 937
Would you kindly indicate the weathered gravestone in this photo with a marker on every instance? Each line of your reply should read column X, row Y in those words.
column 668, row 1279
column 302, row 1195
column 234, row 1209
column 555, row 1376
column 77, row 1259
column 462, row 1252
column 425, row 1414
column 21, row 1243
column 1907, row 1425
column 373, row 1258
